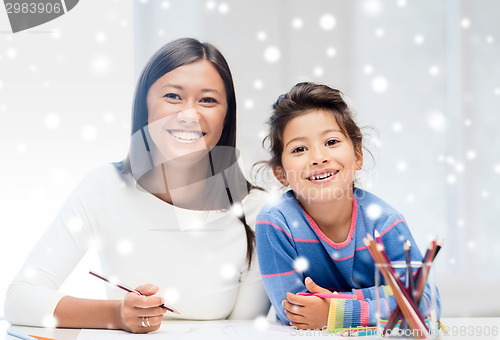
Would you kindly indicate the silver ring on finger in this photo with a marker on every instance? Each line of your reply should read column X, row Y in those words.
column 143, row 323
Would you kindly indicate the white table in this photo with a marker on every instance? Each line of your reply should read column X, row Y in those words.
column 459, row 328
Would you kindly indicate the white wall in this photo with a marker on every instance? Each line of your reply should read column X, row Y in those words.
column 424, row 74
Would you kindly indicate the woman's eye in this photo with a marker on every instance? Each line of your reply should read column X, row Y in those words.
column 299, row 149
column 332, row 142
column 172, row 96
column 208, row 100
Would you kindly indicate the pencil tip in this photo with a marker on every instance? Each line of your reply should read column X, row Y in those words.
column 407, row 245
column 376, row 233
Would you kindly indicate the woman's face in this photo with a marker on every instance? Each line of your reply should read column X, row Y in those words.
column 186, row 110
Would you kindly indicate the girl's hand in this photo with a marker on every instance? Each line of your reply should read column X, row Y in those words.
column 307, row 312
column 136, row 309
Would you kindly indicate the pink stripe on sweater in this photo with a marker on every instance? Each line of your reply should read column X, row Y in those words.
column 392, row 225
column 287, row 233
column 325, row 238
column 363, row 318
column 359, row 294
column 279, row 274
column 342, row 259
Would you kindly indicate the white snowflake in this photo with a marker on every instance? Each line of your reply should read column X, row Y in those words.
column 327, row 22
column 368, row 69
column 451, row 179
column 49, row 321
column 125, row 247
column 100, row 37
column 434, row 70
column 248, row 104
column 465, row 23
column 372, row 7
column 228, row 271
column 52, row 121
column 419, row 39
column 258, row 84
column 318, row 71
column 109, row 117
column 261, row 35
column 223, row 8
column 171, row 296
column 374, row 211
column 459, row 167
column 379, row 32
column 75, row 224
column 100, row 64
column 88, row 133
column 496, row 168
column 380, row 84
column 301, row 264
column 272, row 54
column 402, row 3
column 436, row 121
column 401, row 166
column 490, row 39
column 397, row 127
column 11, row 53
column 210, row 5
column 297, row 23
column 261, row 323
column 237, row 209
column 470, row 155
column 331, row 52
column 22, row 148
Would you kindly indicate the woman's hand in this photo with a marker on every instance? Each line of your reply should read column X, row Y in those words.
column 138, row 311
column 307, row 312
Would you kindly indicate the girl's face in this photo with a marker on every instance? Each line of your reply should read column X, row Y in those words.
column 319, row 161
column 186, row 110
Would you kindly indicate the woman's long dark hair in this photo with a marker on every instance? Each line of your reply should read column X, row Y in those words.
column 171, row 56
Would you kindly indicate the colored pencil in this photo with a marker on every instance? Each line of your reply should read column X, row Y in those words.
column 127, row 289
column 330, row 295
column 20, row 335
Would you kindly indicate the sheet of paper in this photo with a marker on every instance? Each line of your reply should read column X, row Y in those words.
column 186, row 330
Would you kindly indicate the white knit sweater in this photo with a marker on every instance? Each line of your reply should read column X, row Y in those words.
column 197, row 258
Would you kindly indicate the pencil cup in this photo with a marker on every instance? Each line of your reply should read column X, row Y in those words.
column 406, row 300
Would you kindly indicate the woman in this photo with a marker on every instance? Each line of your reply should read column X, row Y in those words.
column 176, row 212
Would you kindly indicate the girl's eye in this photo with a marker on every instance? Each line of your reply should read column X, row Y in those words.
column 332, row 142
column 172, row 96
column 299, row 149
column 208, row 100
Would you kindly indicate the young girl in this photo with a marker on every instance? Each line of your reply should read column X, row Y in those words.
column 311, row 239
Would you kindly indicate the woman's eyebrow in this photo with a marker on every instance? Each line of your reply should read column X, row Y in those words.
column 174, row 86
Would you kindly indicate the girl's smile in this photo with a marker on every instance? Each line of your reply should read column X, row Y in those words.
column 322, row 176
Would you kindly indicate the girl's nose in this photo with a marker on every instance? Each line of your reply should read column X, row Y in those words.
column 318, row 157
column 188, row 116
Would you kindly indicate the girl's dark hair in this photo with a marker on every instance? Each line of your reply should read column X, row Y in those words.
column 304, row 97
column 171, row 56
